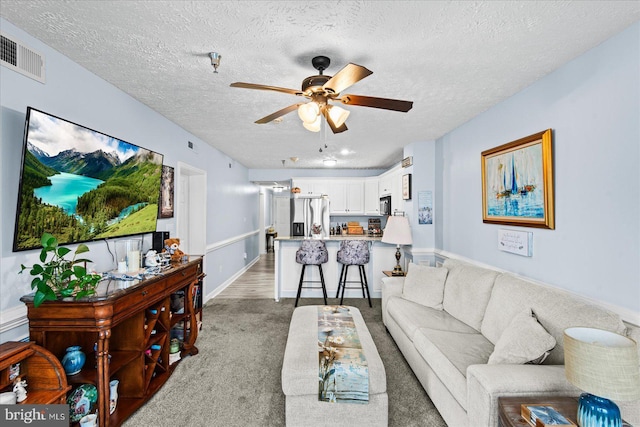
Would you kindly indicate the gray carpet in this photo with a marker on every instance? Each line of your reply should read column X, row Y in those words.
column 235, row 379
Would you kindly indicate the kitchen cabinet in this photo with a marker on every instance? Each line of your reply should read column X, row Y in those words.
column 312, row 186
column 371, row 197
column 347, row 197
column 391, row 185
column 386, row 185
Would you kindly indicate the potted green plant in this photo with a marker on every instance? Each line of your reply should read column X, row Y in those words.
column 58, row 276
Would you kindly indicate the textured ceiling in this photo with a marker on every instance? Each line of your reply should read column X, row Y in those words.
column 454, row 60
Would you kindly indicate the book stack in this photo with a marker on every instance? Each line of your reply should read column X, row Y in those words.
column 543, row 415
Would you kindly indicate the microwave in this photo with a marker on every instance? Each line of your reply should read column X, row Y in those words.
column 385, row 205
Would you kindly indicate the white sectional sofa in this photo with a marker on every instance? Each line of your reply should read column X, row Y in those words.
column 468, row 332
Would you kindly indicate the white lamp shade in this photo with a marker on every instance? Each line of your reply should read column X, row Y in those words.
column 397, row 231
column 602, row 363
column 308, row 112
column 338, row 115
column 313, row 126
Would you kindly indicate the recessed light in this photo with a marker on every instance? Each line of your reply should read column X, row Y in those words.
column 345, row 151
column 330, row 162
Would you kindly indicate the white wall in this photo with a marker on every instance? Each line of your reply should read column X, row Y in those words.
column 592, row 104
column 75, row 94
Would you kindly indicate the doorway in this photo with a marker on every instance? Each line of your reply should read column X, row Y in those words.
column 191, row 215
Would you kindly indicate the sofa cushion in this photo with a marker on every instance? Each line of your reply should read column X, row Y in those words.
column 425, row 285
column 524, row 341
column 410, row 316
column 555, row 309
column 467, row 291
column 449, row 354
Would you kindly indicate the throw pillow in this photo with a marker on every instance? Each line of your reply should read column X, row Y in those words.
column 524, row 341
column 425, row 285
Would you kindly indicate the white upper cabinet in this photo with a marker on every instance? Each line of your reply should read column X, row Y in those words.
column 371, row 197
column 386, row 185
column 391, row 185
column 311, row 186
column 347, row 197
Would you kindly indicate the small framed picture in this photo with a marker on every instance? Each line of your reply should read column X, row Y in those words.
column 406, row 187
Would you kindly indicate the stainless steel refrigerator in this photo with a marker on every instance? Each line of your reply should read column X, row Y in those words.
column 307, row 210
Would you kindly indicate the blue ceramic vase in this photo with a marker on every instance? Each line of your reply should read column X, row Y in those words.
column 73, row 360
column 595, row 411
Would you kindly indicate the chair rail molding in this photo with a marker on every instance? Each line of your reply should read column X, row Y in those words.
column 12, row 318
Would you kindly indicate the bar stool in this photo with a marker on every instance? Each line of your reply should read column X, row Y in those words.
column 353, row 252
column 312, row 252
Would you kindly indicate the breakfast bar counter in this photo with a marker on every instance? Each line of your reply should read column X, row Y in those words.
column 287, row 270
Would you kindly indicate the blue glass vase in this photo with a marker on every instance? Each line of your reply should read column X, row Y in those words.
column 73, row 360
column 594, row 411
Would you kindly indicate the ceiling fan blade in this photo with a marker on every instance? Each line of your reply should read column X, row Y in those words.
column 278, row 113
column 264, row 87
column 370, row 101
column 348, row 75
column 334, row 128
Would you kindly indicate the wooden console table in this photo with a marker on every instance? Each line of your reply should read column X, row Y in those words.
column 123, row 321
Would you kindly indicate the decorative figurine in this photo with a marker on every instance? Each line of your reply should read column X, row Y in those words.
column 151, row 259
column 20, row 389
column 172, row 246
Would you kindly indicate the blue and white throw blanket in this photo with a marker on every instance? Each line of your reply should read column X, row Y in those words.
column 343, row 375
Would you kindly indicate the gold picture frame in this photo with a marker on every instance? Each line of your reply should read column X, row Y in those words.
column 517, row 182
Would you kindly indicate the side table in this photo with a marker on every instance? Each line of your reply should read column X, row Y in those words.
column 270, row 238
column 509, row 409
column 390, row 274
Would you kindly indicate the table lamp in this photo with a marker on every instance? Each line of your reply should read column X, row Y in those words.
column 398, row 233
column 604, row 365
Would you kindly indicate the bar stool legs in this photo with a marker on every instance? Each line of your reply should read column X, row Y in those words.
column 363, row 283
column 324, row 288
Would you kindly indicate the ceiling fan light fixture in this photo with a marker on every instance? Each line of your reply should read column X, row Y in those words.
column 338, row 115
column 309, row 112
column 330, row 162
column 215, row 60
column 313, row 126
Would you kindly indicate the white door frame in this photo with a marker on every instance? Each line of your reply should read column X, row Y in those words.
column 262, row 245
column 191, row 209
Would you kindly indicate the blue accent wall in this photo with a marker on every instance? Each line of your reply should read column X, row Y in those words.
column 75, row 94
column 593, row 106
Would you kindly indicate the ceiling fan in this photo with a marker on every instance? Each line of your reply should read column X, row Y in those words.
column 321, row 90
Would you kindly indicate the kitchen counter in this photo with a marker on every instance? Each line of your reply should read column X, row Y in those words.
column 336, row 238
column 287, row 270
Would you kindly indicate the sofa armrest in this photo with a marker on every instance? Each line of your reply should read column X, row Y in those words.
column 485, row 383
column 391, row 286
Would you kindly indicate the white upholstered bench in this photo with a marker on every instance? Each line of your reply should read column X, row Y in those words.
column 300, row 378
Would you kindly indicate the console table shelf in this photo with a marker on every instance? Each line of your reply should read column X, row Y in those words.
column 130, row 324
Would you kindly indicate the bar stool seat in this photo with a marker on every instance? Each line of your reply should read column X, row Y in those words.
column 353, row 252
column 312, row 252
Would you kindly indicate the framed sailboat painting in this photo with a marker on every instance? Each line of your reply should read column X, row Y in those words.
column 517, row 182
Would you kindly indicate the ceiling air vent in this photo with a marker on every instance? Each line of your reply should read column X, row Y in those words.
column 18, row 57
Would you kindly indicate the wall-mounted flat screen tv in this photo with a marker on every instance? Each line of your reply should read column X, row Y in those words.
column 80, row 184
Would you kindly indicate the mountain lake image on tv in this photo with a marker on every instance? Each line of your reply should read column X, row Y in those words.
column 80, row 185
